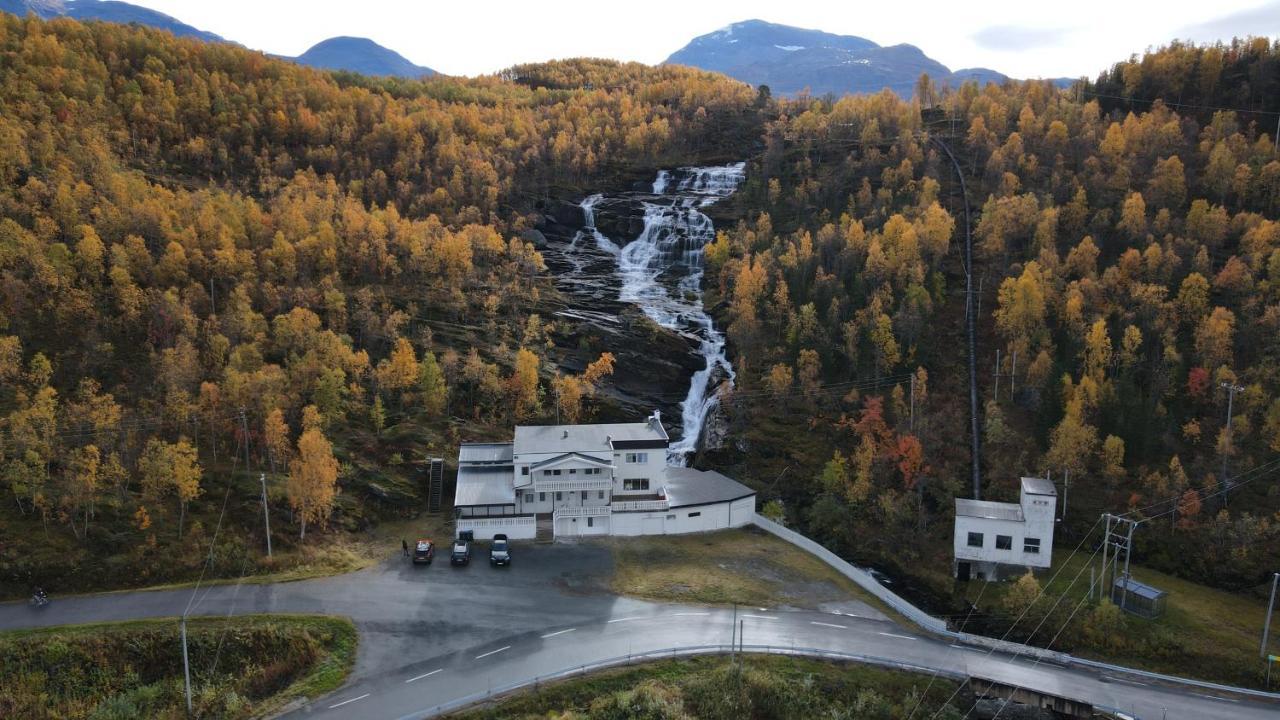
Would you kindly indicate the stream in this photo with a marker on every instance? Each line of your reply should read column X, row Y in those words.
column 644, row 249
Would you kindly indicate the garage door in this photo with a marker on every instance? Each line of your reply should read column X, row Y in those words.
column 652, row 526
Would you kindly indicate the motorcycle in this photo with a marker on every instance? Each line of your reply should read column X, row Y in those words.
column 39, row 599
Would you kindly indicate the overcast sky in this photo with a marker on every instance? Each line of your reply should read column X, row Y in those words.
column 1016, row 37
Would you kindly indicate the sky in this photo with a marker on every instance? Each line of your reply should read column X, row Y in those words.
column 1016, row 37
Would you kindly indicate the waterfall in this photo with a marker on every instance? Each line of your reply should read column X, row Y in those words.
column 660, row 271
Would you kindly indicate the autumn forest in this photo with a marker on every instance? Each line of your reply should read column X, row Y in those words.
column 215, row 265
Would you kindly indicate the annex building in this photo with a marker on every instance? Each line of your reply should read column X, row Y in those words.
column 997, row 540
column 563, row 481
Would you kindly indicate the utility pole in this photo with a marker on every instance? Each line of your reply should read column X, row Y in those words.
column 1066, row 488
column 262, row 477
column 912, row 424
column 1266, row 626
column 997, row 375
column 1115, row 542
column 1231, row 389
column 266, row 516
column 186, row 664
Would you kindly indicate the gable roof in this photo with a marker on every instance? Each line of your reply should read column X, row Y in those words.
column 584, row 438
column 571, row 456
column 1038, row 486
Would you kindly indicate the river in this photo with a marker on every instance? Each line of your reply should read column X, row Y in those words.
column 660, row 271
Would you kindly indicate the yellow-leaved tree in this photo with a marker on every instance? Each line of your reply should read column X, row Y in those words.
column 313, row 479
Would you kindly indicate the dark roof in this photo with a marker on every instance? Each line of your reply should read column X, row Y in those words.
column 1140, row 589
column 686, row 487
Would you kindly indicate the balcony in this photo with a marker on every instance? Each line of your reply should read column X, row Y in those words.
column 577, row 484
column 582, row 511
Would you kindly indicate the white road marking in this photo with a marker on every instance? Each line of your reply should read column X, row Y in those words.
column 493, row 652
column 433, row 672
column 690, row 614
column 560, row 632
column 901, row 637
column 842, row 627
column 1129, row 682
column 850, row 615
column 760, row 617
column 344, row 702
column 637, row 617
column 1215, row 697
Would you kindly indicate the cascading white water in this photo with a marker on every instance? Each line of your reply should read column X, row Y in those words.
column 661, row 272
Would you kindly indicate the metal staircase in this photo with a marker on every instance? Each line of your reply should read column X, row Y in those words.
column 435, row 484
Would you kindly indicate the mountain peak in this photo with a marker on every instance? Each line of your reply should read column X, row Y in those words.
column 361, row 55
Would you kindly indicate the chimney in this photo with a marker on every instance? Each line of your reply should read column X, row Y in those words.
column 656, row 418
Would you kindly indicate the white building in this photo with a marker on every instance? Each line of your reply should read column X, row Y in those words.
column 556, row 481
column 996, row 540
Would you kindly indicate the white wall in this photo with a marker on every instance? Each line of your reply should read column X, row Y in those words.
column 567, row 527
column 654, row 469
column 486, row 528
column 990, row 528
column 702, row 518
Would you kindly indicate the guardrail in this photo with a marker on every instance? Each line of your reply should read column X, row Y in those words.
column 585, row 668
column 582, row 511
column 640, row 505
column 939, row 627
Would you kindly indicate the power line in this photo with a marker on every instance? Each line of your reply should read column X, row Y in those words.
column 1179, row 104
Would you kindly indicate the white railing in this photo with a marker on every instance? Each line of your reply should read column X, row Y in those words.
column 507, row 521
column 572, row 485
column 582, row 511
column 640, row 505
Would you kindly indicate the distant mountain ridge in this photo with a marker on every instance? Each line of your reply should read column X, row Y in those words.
column 790, row 59
column 340, row 53
column 360, row 55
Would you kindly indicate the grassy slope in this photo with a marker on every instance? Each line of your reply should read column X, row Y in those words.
column 687, row 683
column 1205, row 633
column 108, row 666
column 748, row 567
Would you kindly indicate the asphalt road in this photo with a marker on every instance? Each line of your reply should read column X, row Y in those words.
column 430, row 636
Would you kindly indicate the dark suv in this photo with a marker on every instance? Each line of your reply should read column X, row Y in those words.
column 500, row 551
column 424, row 552
column 461, row 554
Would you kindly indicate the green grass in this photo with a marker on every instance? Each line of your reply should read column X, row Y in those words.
column 711, row 687
column 1204, row 633
column 131, row 669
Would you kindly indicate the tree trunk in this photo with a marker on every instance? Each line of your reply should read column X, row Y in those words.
column 182, row 516
column 303, row 536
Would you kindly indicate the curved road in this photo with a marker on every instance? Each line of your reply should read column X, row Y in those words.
column 434, row 636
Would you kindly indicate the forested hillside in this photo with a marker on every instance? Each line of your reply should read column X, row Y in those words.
column 192, row 229
column 1128, row 263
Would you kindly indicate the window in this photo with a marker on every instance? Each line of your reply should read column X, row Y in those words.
column 542, row 497
column 573, row 471
column 1004, row 542
column 638, row 457
column 671, row 517
column 591, row 522
column 635, row 484
column 524, row 470
column 555, row 472
column 558, row 495
column 695, row 514
column 975, row 539
column 1031, row 546
column 583, row 496
column 599, row 494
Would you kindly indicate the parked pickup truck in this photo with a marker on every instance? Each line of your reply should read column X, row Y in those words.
column 500, row 551
column 461, row 554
